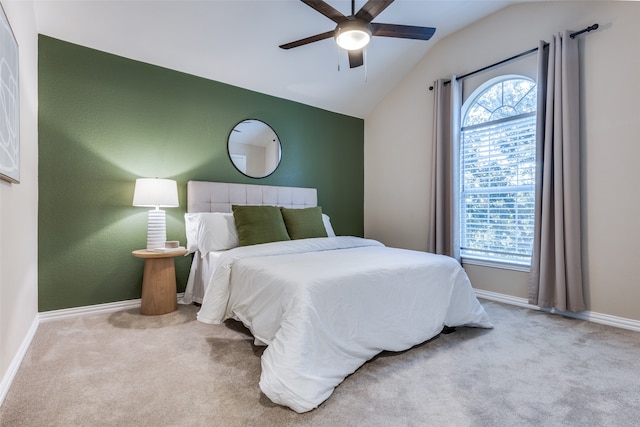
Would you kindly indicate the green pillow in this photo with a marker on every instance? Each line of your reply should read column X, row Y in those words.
column 304, row 223
column 259, row 224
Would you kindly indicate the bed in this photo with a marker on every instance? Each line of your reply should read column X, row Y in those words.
column 323, row 306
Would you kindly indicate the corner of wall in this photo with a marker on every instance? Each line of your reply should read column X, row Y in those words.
column 19, row 209
column 7, row 378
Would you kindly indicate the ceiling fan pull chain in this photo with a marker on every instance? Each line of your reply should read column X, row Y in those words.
column 364, row 58
column 338, row 56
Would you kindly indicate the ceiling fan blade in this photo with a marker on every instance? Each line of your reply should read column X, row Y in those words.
column 356, row 58
column 326, row 9
column 402, row 31
column 372, row 8
column 308, row 40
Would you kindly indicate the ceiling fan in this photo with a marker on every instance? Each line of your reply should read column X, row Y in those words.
column 354, row 32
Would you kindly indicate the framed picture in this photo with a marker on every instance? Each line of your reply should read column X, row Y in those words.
column 9, row 103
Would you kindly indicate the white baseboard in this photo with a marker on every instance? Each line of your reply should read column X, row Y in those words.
column 17, row 360
column 47, row 316
column 604, row 319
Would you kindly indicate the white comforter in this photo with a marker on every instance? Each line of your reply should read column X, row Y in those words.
column 325, row 306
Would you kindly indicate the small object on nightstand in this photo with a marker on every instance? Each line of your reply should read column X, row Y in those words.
column 159, row 294
column 166, row 250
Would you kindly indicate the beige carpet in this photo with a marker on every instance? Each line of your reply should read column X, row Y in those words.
column 124, row 369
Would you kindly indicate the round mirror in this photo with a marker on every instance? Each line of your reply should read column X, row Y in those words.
column 254, row 148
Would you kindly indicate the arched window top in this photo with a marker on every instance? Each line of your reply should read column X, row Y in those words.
column 496, row 100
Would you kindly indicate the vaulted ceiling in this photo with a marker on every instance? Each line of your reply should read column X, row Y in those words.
column 236, row 42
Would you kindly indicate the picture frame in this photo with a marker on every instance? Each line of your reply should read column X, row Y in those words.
column 9, row 103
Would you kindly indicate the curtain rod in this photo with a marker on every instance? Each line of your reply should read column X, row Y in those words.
column 520, row 55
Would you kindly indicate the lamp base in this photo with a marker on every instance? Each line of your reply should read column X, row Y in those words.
column 156, row 229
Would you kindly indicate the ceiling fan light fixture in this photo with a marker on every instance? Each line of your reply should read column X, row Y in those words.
column 353, row 34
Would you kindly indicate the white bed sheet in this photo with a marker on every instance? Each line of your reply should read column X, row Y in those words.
column 202, row 269
column 326, row 306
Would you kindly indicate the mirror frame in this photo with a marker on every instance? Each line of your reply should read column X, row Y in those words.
column 233, row 162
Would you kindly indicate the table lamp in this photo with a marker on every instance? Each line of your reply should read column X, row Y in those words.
column 157, row 193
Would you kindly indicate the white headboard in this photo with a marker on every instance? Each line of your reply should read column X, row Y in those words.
column 205, row 196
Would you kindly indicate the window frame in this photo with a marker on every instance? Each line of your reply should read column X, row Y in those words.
column 469, row 102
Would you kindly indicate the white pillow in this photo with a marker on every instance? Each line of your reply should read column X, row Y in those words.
column 191, row 221
column 210, row 231
column 217, row 232
column 327, row 225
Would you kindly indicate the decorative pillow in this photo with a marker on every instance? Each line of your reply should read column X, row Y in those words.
column 217, row 232
column 304, row 223
column 327, row 225
column 259, row 224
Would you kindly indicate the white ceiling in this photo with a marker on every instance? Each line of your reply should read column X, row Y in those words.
column 236, row 42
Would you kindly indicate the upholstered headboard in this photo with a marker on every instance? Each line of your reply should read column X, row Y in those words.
column 205, row 196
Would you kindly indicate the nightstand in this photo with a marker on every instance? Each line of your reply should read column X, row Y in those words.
column 159, row 295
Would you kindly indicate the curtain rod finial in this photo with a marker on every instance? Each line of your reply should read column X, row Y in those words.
column 586, row 30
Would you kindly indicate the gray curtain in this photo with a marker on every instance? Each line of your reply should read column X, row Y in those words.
column 556, row 267
column 443, row 235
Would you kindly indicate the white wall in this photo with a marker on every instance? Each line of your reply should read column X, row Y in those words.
column 19, row 208
column 398, row 142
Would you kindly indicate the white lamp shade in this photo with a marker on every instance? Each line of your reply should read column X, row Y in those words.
column 155, row 192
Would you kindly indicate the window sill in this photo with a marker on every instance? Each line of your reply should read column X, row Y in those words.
column 496, row 264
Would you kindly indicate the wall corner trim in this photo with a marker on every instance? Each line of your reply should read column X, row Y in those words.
column 7, row 379
column 591, row 316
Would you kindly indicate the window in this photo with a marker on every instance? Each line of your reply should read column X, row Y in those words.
column 497, row 172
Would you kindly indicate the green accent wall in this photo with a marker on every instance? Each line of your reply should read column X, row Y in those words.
column 105, row 120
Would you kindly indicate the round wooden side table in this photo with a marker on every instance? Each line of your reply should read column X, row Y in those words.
column 159, row 294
